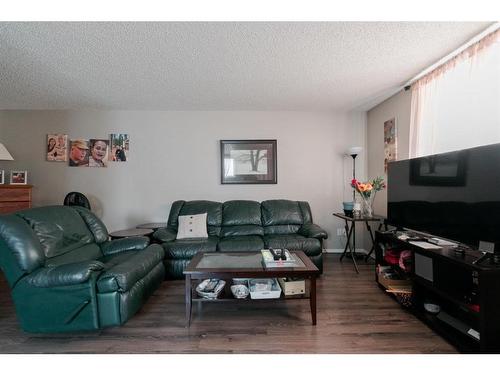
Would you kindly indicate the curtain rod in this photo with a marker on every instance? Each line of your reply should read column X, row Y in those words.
column 492, row 28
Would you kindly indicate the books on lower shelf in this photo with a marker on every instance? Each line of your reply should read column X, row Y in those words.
column 392, row 280
column 269, row 262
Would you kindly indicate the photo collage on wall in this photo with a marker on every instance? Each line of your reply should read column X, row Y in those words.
column 390, row 142
column 94, row 152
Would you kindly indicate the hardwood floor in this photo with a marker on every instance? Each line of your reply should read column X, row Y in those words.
column 354, row 316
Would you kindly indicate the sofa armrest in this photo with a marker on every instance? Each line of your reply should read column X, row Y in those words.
column 124, row 244
column 313, row 231
column 165, row 235
column 65, row 275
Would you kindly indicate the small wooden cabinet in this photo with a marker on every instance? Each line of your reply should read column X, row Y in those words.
column 14, row 198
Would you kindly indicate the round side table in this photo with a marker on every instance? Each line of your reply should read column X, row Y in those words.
column 151, row 226
column 133, row 232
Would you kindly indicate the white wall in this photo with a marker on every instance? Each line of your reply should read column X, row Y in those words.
column 175, row 155
column 397, row 106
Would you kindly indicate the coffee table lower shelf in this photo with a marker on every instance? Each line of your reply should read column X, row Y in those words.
column 191, row 297
column 251, row 267
column 228, row 297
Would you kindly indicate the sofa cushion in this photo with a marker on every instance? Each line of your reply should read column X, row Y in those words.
column 90, row 251
column 124, row 270
column 24, row 245
column 212, row 209
column 124, row 244
column 241, row 212
column 65, row 275
column 95, row 224
column 112, row 260
column 174, row 213
column 192, row 226
column 305, row 209
column 241, row 243
column 310, row 246
column 281, row 211
column 313, row 231
column 282, row 229
column 60, row 229
column 165, row 234
column 187, row 248
column 242, row 230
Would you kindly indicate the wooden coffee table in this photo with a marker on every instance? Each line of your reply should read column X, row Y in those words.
column 229, row 265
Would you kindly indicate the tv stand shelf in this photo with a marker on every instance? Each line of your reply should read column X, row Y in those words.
column 468, row 294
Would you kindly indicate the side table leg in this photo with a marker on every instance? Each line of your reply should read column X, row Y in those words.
column 353, row 249
column 348, row 232
column 312, row 299
column 188, row 300
column 369, row 228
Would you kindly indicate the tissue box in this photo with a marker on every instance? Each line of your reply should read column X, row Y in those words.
column 292, row 287
column 264, row 289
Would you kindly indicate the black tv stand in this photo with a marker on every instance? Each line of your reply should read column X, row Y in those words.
column 494, row 259
column 466, row 290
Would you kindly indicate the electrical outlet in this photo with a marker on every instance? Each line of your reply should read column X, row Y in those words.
column 340, row 231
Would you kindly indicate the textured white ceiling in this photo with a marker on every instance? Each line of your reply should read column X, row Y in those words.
column 216, row 66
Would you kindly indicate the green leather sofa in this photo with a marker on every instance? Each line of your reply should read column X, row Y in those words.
column 242, row 225
column 65, row 275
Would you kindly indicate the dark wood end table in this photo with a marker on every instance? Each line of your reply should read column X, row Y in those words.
column 256, row 270
column 133, row 232
column 151, row 226
column 350, row 230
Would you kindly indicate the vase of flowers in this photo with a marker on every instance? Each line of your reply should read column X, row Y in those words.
column 367, row 191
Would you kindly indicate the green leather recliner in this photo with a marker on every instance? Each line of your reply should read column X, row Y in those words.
column 242, row 225
column 65, row 274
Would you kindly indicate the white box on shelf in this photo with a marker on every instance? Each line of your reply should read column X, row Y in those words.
column 264, row 288
column 292, row 287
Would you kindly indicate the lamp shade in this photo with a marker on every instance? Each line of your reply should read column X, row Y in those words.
column 4, row 154
column 356, row 150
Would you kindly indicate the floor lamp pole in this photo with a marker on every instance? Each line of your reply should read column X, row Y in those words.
column 354, row 175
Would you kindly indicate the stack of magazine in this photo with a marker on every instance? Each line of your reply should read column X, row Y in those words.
column 269, row 262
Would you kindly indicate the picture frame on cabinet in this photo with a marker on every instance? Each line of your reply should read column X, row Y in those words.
column 18, row 177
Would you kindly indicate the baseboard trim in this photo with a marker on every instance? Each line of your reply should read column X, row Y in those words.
column 340, row 251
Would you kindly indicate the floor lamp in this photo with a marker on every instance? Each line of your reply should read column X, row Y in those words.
column 354, row 151
column 4, row 154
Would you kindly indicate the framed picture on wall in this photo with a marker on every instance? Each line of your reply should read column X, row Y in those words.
column 57, row 147
column 120, row 146
column 18, row 177
column 390, row 142
column 2, row 176
column 248, row 162
column 98, row 152
column 79, row 153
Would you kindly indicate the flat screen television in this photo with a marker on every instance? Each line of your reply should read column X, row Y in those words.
column 454, row 195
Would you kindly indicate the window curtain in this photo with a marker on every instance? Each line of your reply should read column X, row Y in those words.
column 457, row 105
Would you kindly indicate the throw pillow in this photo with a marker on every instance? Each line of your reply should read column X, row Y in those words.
column 192, row 226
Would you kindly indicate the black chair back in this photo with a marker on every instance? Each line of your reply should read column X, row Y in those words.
column 76, row 199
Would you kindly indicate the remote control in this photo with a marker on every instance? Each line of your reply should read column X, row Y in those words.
column 275, row 253
column 283, row 254
column 211, row 285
